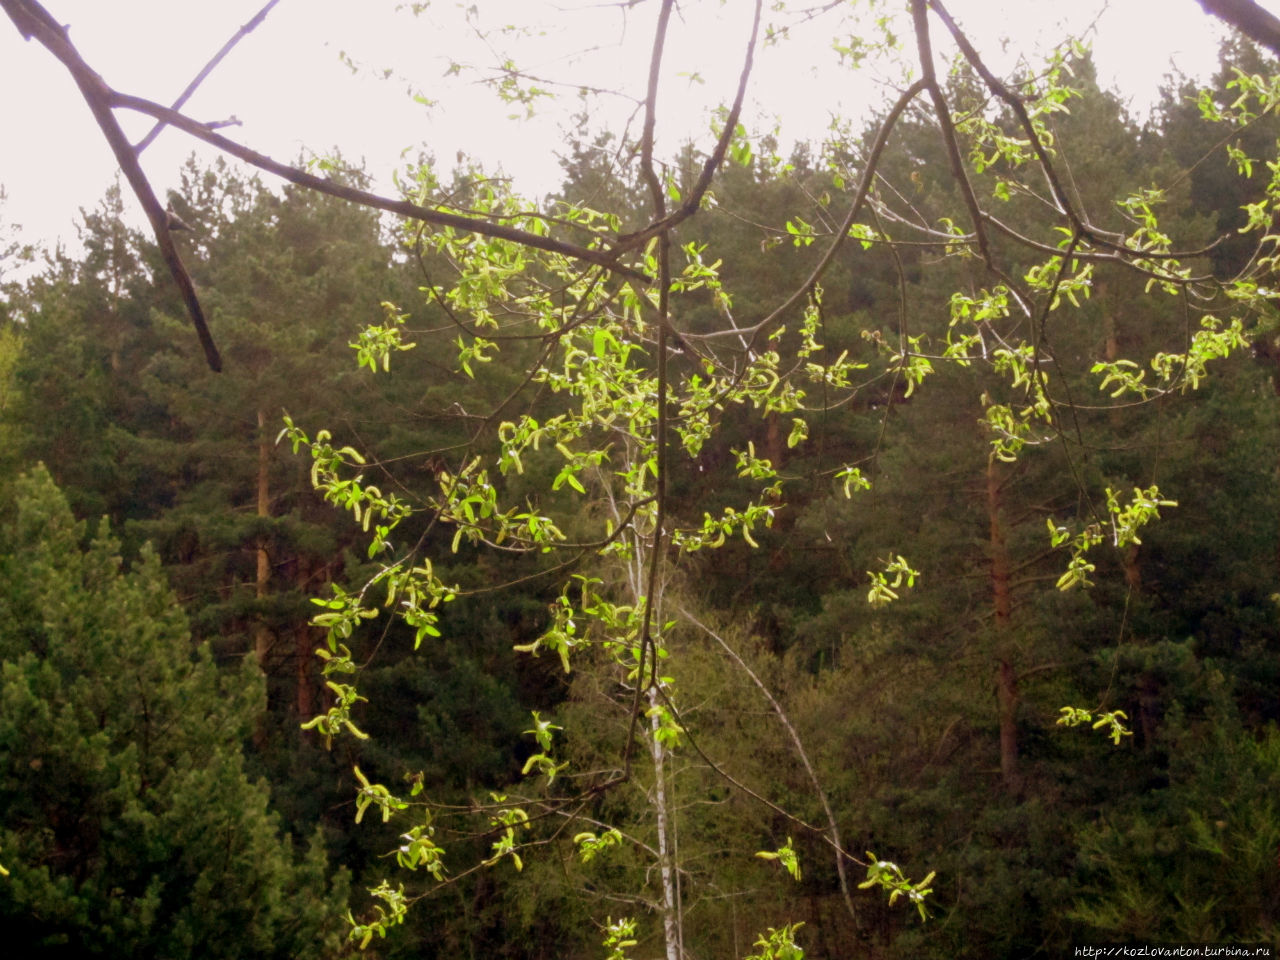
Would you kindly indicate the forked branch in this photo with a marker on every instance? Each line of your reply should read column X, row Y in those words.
column 33, row 21
column 207, row 69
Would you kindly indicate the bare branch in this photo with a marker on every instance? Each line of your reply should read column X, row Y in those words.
column 694, row 200
column 1014, row 102
column 218, row 57
column 834, row 835
column 33, row 21
column 946, row 124
column 403, row 208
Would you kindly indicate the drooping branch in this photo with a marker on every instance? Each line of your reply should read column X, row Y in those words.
column 208, row 68
column 1014, row 102
column 834, row 835
column 1080, row 224
column 924, row 51
column 760, row 330
column 1077, row 217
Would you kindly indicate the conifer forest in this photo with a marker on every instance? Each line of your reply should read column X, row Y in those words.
column 856, row 545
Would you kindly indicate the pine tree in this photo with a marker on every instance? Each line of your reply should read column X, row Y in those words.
column 130, row 828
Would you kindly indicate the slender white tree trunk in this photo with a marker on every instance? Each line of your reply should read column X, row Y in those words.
column 666, row 847
column 669, row 905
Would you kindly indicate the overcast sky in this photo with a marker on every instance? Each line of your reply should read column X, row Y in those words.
column 288, row 85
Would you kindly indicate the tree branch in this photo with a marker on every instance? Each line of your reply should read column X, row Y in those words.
column 694, row 200
column 834, row 835
column 218, row 57
column 1249, row 18
column 403, row 208
column 648, row 647
column 33, row 21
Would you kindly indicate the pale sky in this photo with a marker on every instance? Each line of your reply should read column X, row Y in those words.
column 288, row 86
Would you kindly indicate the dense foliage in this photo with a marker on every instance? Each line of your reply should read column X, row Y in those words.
column 829, row 603
column 131, row 825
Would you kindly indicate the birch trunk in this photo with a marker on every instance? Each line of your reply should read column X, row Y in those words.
column 670, row 903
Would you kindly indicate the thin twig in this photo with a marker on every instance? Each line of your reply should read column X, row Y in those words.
column 200, row 77
column 760, row 329
column 800, row 751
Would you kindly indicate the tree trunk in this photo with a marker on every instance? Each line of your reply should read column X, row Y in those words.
column 1007, row 699
column 1133, row 568
column 1006, row 677
column 775, row 450
column 304, row 653
column 1111, row 349
column 261, row 635
column 1273, row 354
column 1148, row 709
column 1266, row 351
column 670, row 903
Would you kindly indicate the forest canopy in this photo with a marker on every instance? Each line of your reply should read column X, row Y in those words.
column 871, row 546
